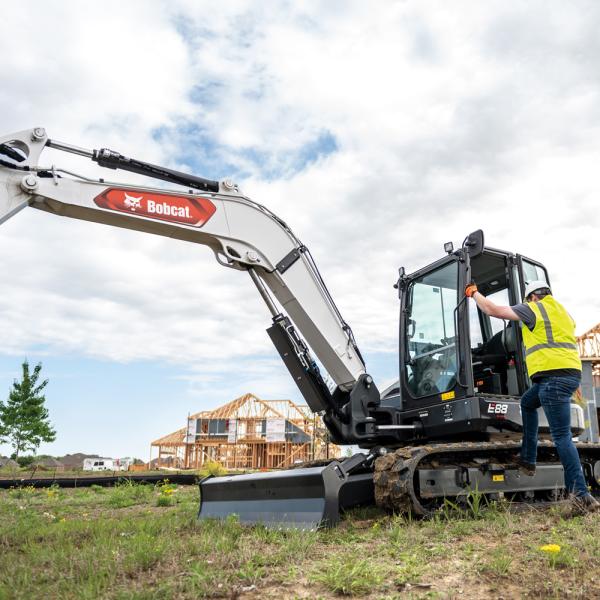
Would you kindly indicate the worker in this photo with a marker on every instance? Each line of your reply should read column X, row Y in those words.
column 554, row 368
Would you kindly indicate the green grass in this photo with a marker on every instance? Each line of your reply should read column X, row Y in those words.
column 135, row 542
column 349, row 576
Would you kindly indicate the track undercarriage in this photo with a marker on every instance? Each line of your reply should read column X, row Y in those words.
column 413, row 479
column 418, row 479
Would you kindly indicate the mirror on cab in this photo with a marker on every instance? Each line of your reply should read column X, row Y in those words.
column 474, row 243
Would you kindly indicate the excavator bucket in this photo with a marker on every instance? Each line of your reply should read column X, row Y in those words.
column 304, row 498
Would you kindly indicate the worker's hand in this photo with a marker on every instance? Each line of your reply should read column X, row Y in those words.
column 470, row 289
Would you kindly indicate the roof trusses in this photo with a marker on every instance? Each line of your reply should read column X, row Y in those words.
column 589, row 344
column 589, row 349
column 236, row 435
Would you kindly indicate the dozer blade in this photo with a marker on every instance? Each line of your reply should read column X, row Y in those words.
column 304, row 498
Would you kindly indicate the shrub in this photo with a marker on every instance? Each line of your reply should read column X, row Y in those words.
column 25, row 461
column 166, row 498
column 213, row 468
column 163, row 500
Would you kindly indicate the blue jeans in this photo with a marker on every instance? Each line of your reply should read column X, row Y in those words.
column 553, row 394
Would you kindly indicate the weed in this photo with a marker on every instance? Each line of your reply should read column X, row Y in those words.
column 410, row 569
column 499, row 564
column 299, row 543
column 399, row 532
column 161, row 593
column 472, row 506
column 206, row 581
column 476, row 503
column 163, row 500
column 250, row 572
column 213, row 468
column 349, row 576
column 166, row 494
column 461, row 527
column 53, row 492
column 559, row 555
column 142, row 552
column 22, row 492
column 127, row 493
column 363, row 512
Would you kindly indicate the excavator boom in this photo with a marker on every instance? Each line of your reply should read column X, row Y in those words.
column 246, row 236
column 242, row 234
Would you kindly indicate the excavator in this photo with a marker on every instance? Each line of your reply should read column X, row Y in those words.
column 451, row 423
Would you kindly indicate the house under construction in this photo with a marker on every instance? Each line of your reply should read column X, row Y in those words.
column 247, row 433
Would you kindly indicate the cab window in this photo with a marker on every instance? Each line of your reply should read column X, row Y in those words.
column 431, row 363
column 532, row 272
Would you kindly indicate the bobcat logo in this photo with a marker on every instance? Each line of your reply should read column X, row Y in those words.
column 132, row 202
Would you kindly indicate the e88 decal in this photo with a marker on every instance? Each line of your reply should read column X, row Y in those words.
column 497, row 408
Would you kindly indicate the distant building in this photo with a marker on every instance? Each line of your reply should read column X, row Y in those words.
column 107, row 464
column 75, row 461
column 247, row 433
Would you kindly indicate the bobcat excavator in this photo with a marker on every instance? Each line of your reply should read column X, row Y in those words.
column 452, row 422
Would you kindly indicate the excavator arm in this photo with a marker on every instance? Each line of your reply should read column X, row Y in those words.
column 243, row 235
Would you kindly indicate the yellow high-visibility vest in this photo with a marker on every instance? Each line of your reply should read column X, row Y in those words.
column 552, row 344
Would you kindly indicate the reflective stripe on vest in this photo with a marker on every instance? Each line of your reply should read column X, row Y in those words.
column 549, row 335
column 552, row 343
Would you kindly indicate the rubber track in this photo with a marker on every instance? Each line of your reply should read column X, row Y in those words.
column 106, row 481
column 395, row 473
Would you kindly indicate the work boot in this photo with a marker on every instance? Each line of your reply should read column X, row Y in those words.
column 524, row 467
column 582, row 505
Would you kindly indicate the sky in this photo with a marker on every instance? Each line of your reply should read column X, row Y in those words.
column 377, row 135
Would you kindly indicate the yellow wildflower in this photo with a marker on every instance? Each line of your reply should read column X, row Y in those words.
column 550, row 548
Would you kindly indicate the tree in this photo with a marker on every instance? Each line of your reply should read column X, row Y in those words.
column 24, row 419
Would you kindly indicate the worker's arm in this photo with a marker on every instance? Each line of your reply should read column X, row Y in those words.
column 494, row 310
column 489, row 307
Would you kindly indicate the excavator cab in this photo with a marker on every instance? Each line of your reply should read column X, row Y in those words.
column 451, row 348
column 462, row 373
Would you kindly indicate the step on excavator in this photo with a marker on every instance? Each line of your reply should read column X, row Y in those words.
column 450, row 425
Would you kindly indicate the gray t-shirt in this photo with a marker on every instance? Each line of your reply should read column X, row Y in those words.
column 525, row 314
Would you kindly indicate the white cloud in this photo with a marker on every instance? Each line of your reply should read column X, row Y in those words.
column 446, row 119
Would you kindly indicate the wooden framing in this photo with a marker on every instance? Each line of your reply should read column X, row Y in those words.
column 247, row 433
column 589, row 350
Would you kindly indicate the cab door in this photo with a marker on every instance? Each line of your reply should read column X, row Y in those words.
column 430, row 356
